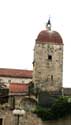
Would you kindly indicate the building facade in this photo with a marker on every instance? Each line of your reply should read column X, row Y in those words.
column 8, row 76
column 48, row 60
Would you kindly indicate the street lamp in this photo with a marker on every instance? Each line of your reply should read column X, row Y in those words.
column 18, row 113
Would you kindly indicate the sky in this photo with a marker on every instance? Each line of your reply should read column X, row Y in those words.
column 20, row 23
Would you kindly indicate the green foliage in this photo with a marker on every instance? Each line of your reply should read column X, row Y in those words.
column 59, row 108
column 44, row 113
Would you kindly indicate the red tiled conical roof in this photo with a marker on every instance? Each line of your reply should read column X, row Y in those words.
column 46, row 36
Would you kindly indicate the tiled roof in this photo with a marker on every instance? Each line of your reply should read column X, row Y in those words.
column 46, row 36
column 18, row 87
column 15, row 73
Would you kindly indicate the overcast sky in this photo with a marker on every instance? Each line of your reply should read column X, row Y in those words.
column 20, row 23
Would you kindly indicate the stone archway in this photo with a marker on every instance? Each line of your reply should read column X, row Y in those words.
column 28, row 103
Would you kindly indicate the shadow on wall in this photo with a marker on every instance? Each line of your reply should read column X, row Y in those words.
column 46, row 99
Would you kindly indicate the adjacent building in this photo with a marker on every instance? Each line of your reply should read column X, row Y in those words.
column 8, row 76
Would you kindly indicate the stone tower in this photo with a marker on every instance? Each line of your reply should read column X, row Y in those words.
column 48, row 60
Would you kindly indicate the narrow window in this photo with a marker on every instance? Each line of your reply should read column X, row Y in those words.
column 52, row 77
column 1, row 121
column 49, row 57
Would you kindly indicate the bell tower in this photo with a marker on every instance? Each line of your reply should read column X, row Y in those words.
column 48, row 60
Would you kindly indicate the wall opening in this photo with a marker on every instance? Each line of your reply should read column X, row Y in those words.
column 50, row 57
column 1, row 121
column 52, row 77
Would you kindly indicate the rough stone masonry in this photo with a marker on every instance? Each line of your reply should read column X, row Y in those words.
column 48, row 60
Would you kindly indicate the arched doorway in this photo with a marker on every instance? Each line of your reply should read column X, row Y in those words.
column 28, row 104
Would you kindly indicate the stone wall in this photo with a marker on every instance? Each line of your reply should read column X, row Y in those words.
column 25, row 102
column 48, row 66
column 28, row 119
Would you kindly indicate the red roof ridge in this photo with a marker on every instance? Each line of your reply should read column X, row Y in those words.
column 20, row 73
column 14, row 69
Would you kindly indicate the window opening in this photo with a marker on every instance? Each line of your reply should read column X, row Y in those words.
column 52, row 77
column 9, row 81
column 1, row 121
column 49, row 57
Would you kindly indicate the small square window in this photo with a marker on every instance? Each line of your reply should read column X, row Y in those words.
column 49, row 57
column 23, row 81
column 9, row 81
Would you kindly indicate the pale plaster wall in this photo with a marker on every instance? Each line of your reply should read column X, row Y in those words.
column 8, row 80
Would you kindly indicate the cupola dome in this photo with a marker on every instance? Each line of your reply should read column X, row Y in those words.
column 47, row 35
